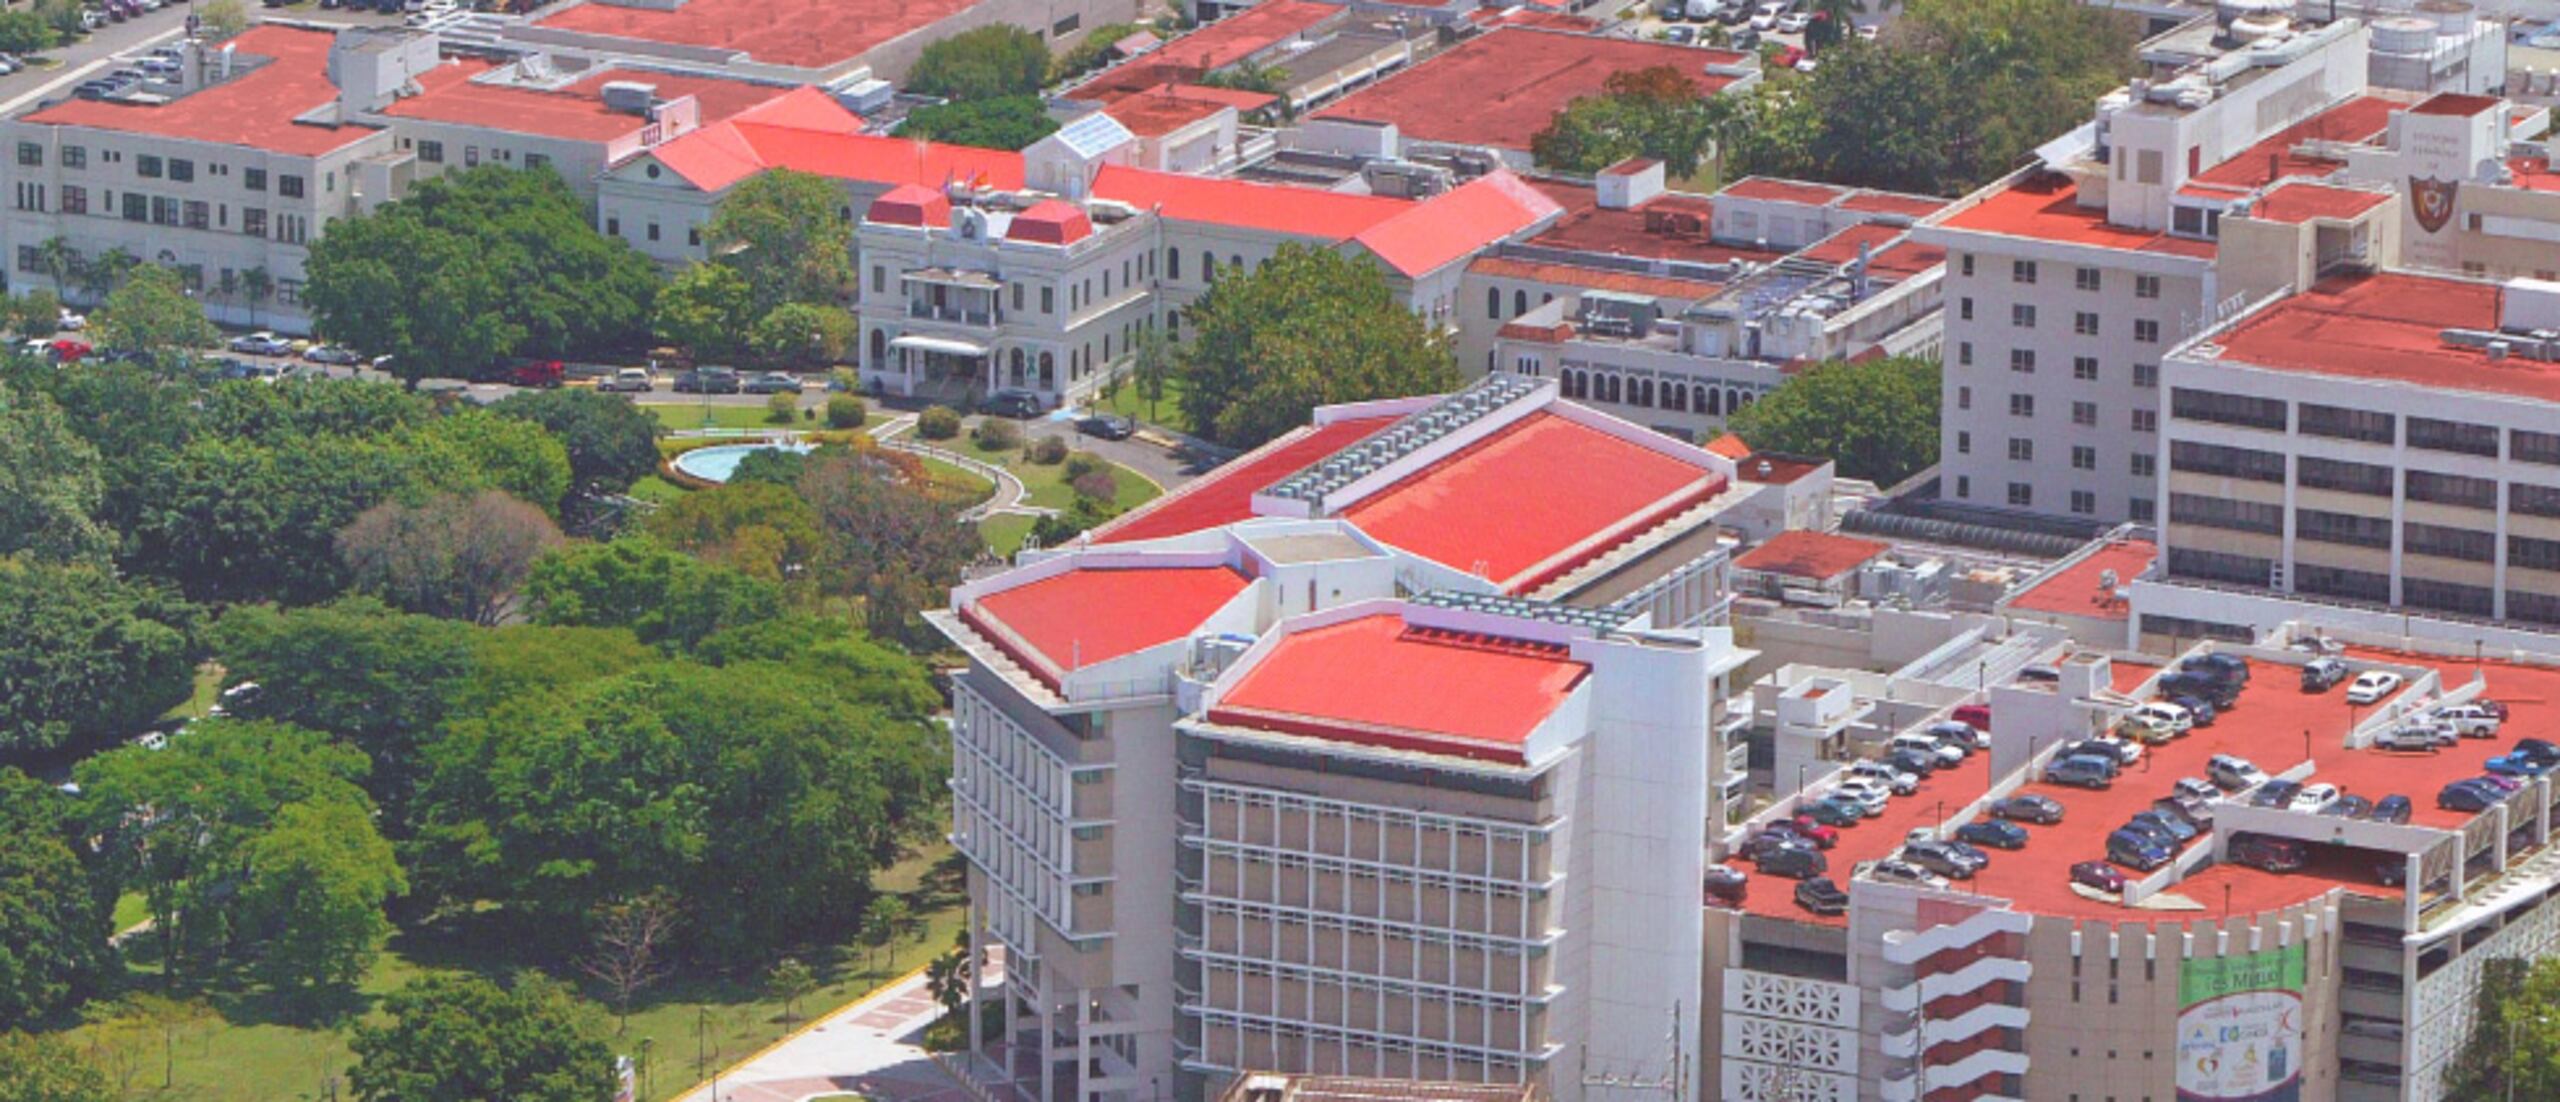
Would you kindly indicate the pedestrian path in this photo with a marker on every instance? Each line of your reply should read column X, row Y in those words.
column 867, row 1047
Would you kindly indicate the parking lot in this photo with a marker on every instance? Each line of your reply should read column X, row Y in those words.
column 1739, row 24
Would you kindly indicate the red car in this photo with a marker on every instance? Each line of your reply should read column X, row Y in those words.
column 1976, row 716
column 1818, row 834
column 544, row 374
column 2099, row 875
column 68, row 351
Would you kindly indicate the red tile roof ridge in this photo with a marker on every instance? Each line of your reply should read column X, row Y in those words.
column 1454, row 224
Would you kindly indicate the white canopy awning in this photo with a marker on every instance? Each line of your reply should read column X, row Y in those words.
column 946, row 345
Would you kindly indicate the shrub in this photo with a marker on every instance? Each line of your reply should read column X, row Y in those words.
column 844, row 411
column 1081, row 464
column 781, row 409
column 1048, row 450
column 1098, row 486
column 938, row 423
column 997, row 435
column 845, row 380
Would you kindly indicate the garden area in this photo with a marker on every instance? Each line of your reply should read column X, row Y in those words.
column 1084, row 488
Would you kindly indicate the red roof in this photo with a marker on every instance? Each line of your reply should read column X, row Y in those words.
column 1066, row 622
column 1729, row 446
column 2074, row 590
column 2388, row 327
column 1666, row 227
column 1888, row 202
column 255, row 109
column 1504, row 86
column 1879, row 837
column 1226, row 494
column 1375, row 682
column 1907, row 259
column 2456, row 104
column 576, row 112
column 1532, row 501
column 1803, row 553
column 911, row 205
column 2273, row 158
column 2046, row 207
column 1153, row 114
column 806, row 34
column 1273, row 208
column 2534, row 174
column 1050, row 222
column 1598, row 279
column 1782, row 191
column 1210, row 48
column 1842, row 247
column 2299, row 202
column 1449, row 227
column 806, row 131
column 1771, row 468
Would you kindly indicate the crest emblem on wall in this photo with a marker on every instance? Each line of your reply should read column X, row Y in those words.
column 2432, row 202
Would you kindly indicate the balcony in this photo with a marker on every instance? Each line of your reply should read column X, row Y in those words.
column 1908, row 947
column 1988, row 1062
column 1904, row 1043
column 1906, row 998
column 927, row 311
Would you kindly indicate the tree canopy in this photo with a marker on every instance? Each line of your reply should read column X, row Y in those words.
column 1005, row 122
column 1877, row 418
column 51, row 485
column 660, row 595
column 87, row 658
column 47, row 1069
column 53, row 919
column 1310, row 327
column 610, row 442
column 887, row 538
column 151, row 318
column 1658, row 113
column 453, row 555
column 453, row 1038
column 985, row 63
column 789, row 235
column 474, row 266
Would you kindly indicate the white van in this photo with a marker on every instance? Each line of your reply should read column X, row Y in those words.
column 1922, row 744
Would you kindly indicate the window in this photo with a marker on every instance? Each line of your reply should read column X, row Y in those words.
column 2084, row 457
column 653, row 231
column 1964, row 442
column 2347, row 424
column 164, row 210
column 147, row 166
column 2084, row 368
column 2453, row 436
column 2528, row 446
column 2022, row 450
column 2139, row 508
column 1964, row 308
column 75, row 199
column 254, row 179
column 2332, row 581
column 2022, row 495
column 2085, row 323
column 1964, row 353
column 137, row 207
column 2144, row 465
column 2216, row 566
column 536, row 160
column 1048, row 300
column 2540, row 501
column 75, row 156
column 253, row 221
column 2224, row 513
column 2323, row 526
column 197, row 214
column 182, row 171
column 431, row 152
column 29, row 153
column 1964, row 264
column 2190, row 457
column 2085, row 279
column 2468, row 600
column 29, row 260
column 2146, row 376
column 292, row 228
column 2146, row 331
column 1492, row 302
column 2314, row 473
column 2452, row 489
column 2146, row 420
column 2084, row 413
column 2022, row 360
column 2022, row 405
column 2466, row 544
column 30, row 196
column 2533, row 554
column 1964, row 483
column 2022, row 315
column 1067, row 25
column 2084, row 502
column 2226, row 409
column 2146, row 286
column 2022, row 271
column 1964, row 397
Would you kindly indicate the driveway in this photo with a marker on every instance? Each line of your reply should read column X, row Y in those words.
column 867, row 1048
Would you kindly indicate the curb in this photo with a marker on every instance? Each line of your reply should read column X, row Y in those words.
column 815, row 1020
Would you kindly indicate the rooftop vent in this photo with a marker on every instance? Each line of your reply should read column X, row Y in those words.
column 1403, row 438
column 631, row 97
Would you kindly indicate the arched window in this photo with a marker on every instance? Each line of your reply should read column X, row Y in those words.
column 1048, row 369
column 1235, row 260
column 1715, row 402
column 1732, row 399
column 1644, row 392
column 1208, row 266
column 1015, row 368
column 1609, row 388
column 1519, row 303
column 1675, row 397
column 879, row 349
column 1698, row 398
column 1493, row 303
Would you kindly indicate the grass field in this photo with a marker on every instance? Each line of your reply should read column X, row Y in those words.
column 254, row 1052
column 691, row 415
column 208, row 689
column 1168, row 410
column 1046, row 483
column 1004, row 532
column 962, row 484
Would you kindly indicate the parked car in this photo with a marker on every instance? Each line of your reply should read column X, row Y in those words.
column 2144, row 728
column 1869, row 795
column 629, row 380
column 2313, row 797
column 2275, row 794
column 2409, row 737
column 261, row 344
column 2099, row 875
column 2349, row 806
column 1895, row 868
column 2176, row 719
column 1996, row 833
column 1018, row 404
column 1794, row 22
column 2270, row 854
column 2196, row 788
column 1976, row 716
column 1726, row 885
column 1793, row 862
column 708, row 380
column 2391, row 809
column 1945, row 753
column 2517, row 765
column 1680, row 35
column 2371, row 686
column 538, row 374
column 2187, row 809
column 2504, row 784
column 2029, row 808
column 1107, row 426
column 1913, row 762
column 2136, row 851
column 331, row 355
column 1767, row 842
column 2179, row 829
column 1937, row 858
column 1841, row 812
column 2198, row 708
column 2234, row 773
column 2082, row 772
column 2218, row 665
column 1966, row 738
column 1788, row 57
column 1805, row 827
column 2215, row 691
column 2468, row 795
column 1765, row 17
column 2117, row 750
column 71, row 320
column 1820, row 896
column 2468, row 720
column 2322, row 674
column 1894, row 780
column 2538, row 748
column 773, row 382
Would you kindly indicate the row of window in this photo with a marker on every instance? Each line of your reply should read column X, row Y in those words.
column 1672, row 395
column 2022, row 495
column 162, row 210
column 431, row 152
column 2022, row 404
column 174, row 169
column 2083, row 368
column 2083, row 277
column 288, row 292
column 2084, row 323
column 2367, row 426
column 2346, row 476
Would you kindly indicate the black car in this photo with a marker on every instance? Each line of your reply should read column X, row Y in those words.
column 1822, row 897
column 773, row 382
column 2213, row 690
column 1937, row 858
column 2226, row 667
column 2349, row 807
column 2030, row 809
column 1770, row 841
column 1017, row 404
column 1726, row 885
column 2152, row 829
column 2390, row 809
column 2271, row 854
column 1107, row 426
column 1996, row 833
column 2537, row 749
column 2178, row 827
column 2470, row 795
column 1913, row 762
column 2200, row 709
column 708, row 380
column 2276, row 793
column 1793, row 862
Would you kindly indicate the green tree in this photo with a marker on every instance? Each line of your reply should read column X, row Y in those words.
column 317, row 880
column 65, row 19
column 474, row 449
column 47, row 1069
column 152, row 317
column 705, row 310
column 1310, row 327
column 456, row 556
column 2511, row 1051
column 460, row 1038
column 802, row 335
column 61, row 262
column 51, row 488
column 1006, row 122
column 24, row 32
column 1658, row 113
column 887, row 534
column 1877, row 418
column 950, row 977
column 788, row 233
column 1151, row 363
column 257, row 284
column 984, row 63
column 221, row 19
column 661, row 595
column 87, row 658
column 883, row 921
column 373, row 678
column 53, row 918
column 764, row 530
column 611, row 443
column 473, row 266
column 790, row 981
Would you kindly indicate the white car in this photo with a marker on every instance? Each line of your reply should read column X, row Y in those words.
column 2468, row 720
column 2234, row 774
column 1895, row 780
column 2127, row 751
column 1765, row 17
column 1807, row 65
column 1867, row 32
column 2177, row 720
column 1870, row 795
column 1794, row 22
column 1922, row 744
column 2314, row 797
column 71, row 321
column 2371, row 686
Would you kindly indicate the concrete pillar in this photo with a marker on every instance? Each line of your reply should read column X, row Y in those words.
column 977, row 953
column 1043, row 1011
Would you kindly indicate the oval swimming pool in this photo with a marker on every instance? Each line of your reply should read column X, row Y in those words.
column 719, row 463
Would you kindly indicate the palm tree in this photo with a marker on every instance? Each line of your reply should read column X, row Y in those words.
column 104, row 273
column 257, row 283
column 59, row 260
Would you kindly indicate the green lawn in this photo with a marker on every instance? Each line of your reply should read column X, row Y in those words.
column 255, row 1053
column 1046, row 483
column 657, row 489
column 208, row 689
column 1004, row 532
column 1168, row 411
column 131, row 908
column 690, row 415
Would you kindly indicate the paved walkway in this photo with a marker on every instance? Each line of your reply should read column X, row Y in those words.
column 866, row 1047
column 893, row 435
